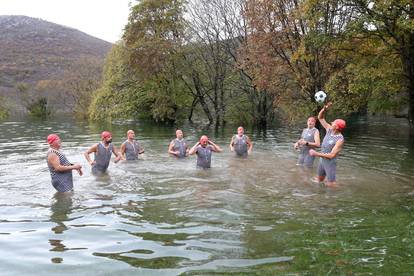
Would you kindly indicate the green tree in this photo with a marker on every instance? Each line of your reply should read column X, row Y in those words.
column 393, row 23
column 371, row 81
column 153, row 37
column 35, row 103
column 4, row 111
column 119, row 95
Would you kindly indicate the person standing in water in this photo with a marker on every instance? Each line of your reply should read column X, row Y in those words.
column 204, row 149
column 130, row 149
column 102, row 152
column 331, row 146
column 178, row 147
column 240, row 143
column 59, row 167
column 308, row 140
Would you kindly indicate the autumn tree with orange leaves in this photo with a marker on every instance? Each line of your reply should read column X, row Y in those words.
column 293, row 46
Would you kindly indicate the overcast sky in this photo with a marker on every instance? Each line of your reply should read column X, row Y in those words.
column 104, row 19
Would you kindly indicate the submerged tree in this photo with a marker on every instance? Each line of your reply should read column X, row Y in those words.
column 118, row 97
column 224, row 90
column 393, row 23
column 35, row 102
column 293, row 46
column 4, row 111
column 153, row 37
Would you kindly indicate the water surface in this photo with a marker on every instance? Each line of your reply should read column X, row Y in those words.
column 161, row 216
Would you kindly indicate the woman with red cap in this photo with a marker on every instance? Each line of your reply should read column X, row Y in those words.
column 331, row 145
column 59, row 167
column 203, row 149
column 102, row 152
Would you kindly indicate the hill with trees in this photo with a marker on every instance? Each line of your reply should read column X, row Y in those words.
column 37, row 55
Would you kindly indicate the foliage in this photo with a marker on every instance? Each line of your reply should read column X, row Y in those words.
column 371, row 82
column 38, row 108
column 4, row 111
column 292, row 45
column 35, row 103
column 35, row 51
column 75, row 87
column 152, row 37
column 241, row 61
column 119, row 94
column 393, row 23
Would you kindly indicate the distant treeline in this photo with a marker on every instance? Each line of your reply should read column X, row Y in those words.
column 245, row 61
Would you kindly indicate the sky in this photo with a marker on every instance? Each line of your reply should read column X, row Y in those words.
column 104, row 19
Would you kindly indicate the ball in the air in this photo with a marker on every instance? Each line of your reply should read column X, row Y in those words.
column 320, row 96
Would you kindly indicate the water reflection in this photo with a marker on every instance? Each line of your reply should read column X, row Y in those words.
column 60, row 211
column 161, row 216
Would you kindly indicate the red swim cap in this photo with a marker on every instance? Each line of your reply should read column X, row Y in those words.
column 203, row 138
column 340, row 124
column 52, row 138
column 105, row 134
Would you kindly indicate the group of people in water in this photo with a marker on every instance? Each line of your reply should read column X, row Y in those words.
column 61, row 169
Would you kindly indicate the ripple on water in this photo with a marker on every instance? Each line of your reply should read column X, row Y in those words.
column 161, row 216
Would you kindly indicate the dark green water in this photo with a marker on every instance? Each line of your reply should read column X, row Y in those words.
column 161, row 216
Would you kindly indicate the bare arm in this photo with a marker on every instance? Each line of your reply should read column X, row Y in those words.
column 335, row 151
column 117, row 155
column 321, row 116
column 171, row 149
column 299, row 142
column 214, row 148
column 317, row 139
column 53, row 160
column 123, row 149
column 232, row 144
column 193, row 150
column 249, row 143
column 92, row 149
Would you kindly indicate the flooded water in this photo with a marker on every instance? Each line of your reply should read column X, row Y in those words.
column 161, row 216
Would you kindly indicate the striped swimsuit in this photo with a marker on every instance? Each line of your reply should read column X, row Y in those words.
column 131, row 150
column 327, row 167
column 240, row 145
column 204, row 157
column 102, row 158
column 61, row 181
column 308, row 134
column 181, row 146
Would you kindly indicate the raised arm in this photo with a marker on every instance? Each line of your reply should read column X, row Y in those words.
column 193, row 150
column 214, row 148
column 321, row 116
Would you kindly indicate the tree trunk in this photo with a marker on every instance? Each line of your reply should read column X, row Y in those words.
column 193, row 105
column 407, row 58
column 200, row 96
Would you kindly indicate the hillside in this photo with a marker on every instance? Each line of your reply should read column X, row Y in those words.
column 32, row 50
